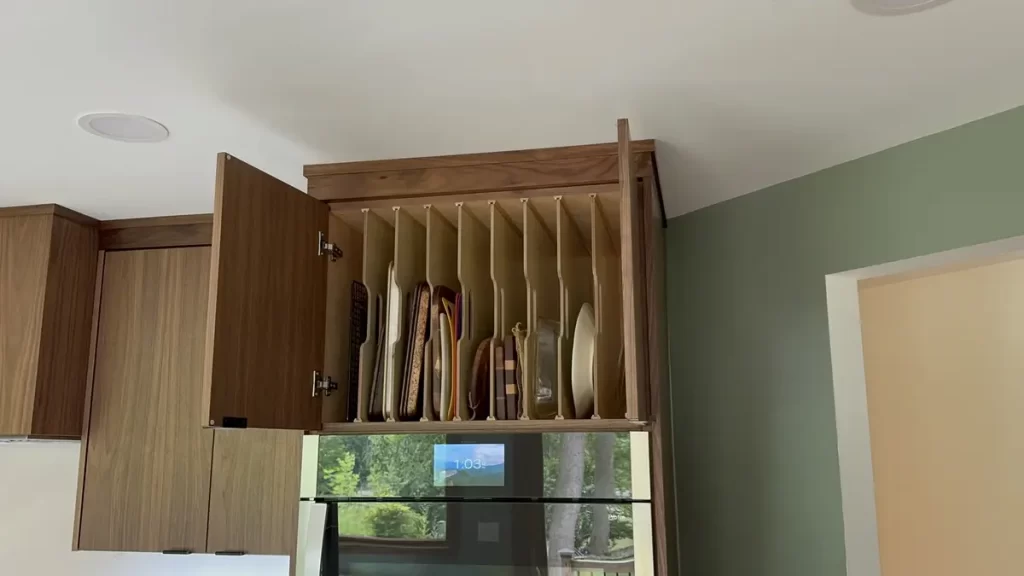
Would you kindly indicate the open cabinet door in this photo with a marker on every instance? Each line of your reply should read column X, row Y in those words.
column 265, row 332
column 634, row 291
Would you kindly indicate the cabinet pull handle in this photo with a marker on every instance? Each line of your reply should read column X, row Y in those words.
column 178, row 551
column 229, row 553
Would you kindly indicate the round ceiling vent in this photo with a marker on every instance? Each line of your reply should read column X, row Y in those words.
column 895, row 7
column 123, row 127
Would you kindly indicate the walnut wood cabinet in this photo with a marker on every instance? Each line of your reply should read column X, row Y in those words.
column 47, row 274
column 151, row 478
column 527, row 235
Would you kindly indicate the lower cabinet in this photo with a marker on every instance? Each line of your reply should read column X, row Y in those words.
column 248, row 464
column 152, row 479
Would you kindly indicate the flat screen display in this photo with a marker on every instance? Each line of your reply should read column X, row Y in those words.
column 469, row 464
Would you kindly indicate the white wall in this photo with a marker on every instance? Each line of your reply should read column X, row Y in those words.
column 37, row 510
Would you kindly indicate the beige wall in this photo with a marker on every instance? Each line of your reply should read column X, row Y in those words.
column 944, row 365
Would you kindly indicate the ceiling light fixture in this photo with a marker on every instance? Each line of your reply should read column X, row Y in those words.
column 895, row 7
column 123, row 127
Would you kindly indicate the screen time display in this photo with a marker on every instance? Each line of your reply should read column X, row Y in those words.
column 469, row 465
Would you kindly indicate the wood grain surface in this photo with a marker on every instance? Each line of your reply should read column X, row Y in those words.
column 49, row 210
column 163, row 232
column 24, row 263
column 662, row 460
column 338, row 323
column 147, row 472
column 459, row 160
column 254, row 497
column 265, row 334
column 609, row 392
column 634, row 294
column 474, row 179
column 67, row 322
column 83, row 452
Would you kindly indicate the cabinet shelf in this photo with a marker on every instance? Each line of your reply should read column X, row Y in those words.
column 485, row 426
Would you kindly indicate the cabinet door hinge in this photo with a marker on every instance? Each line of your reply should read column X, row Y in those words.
column 323, row 384
column 325, row 248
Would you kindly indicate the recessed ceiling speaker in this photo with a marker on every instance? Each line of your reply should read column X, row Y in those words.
column 123, row 127
column 895, row 7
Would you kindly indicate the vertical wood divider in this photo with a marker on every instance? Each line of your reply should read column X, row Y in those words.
column 542, row 296
column 410, row 268
column 509, row 284
column 378, row 251
column 442, row 258
column 576, row 287
column 609, row 393
column 477, row 299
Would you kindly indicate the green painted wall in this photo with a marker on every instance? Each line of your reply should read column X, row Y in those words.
column 754, row 424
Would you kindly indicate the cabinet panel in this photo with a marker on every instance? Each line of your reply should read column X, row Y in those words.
column 634, row 292
column 254, row 503
column 47, row 277
column 67, row 320
column 24, row 254
column 265, row 333
column 146, row 476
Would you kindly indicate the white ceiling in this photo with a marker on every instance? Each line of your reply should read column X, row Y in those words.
column 740, row 94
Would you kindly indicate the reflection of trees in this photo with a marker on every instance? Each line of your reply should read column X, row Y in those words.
column 600, row 530
column 568, row 484
column 604, row 487
column 389, row 465
column 574, row 465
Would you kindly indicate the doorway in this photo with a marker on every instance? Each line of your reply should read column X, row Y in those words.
column 928, row 373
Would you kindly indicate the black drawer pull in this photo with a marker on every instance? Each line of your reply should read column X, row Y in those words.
column 229, row 553
column 179, row 551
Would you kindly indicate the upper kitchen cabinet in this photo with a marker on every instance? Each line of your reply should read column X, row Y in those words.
column 492, row 292
column 265, row 329
column 47, row 278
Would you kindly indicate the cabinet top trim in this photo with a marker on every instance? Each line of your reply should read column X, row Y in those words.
column 474, row 176
column 47, row 210
column 160, row 232
column 461, row 160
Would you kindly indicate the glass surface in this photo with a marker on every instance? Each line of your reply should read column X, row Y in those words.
column 573, row 465
column 559, row 498
column 534, row 539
